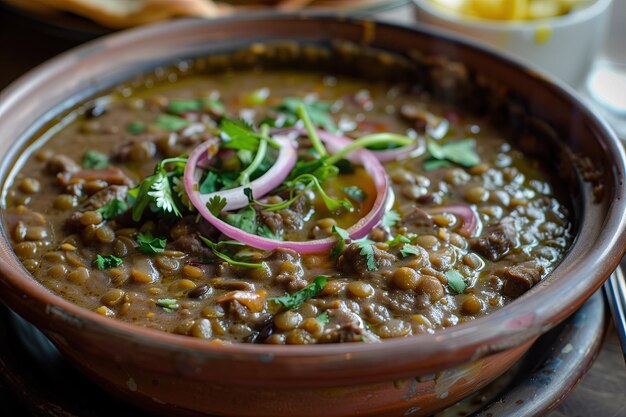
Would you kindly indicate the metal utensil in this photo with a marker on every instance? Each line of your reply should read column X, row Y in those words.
column 615, row 289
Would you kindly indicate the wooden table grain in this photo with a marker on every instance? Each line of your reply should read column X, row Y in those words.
column 601, row 393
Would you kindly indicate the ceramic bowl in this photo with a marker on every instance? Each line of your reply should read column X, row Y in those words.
column 564, row 46
column 171, row 374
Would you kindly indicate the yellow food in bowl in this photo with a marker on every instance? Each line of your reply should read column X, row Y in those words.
column 512, row 9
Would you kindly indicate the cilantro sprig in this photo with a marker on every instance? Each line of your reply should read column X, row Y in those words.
column 112, row 209
column 107, row 261
column 217, row 249
column 149, row 244
column 368, row 252
column 95, row 160
column 295, row 300
column 456, row 281
column 461, row 152
column 155, row 191
column 168, row 304
column 343, row 238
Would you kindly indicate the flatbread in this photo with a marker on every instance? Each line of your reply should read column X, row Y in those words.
column 126, row 13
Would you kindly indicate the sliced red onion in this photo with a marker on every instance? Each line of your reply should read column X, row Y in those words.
column 235, row 197
column 356, row 231
column 467, row 215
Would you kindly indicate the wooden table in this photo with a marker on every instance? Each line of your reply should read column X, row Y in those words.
column 601, row 393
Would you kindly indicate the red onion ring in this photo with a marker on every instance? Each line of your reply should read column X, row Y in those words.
column 235, row 197
column 467, row 215
column 357, row 231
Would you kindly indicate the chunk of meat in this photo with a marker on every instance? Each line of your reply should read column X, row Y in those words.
column 351, row 260
column 272, row 220
column 192, row 245
column 106, row 195
column 496, row 241
column 136, row 151
column 61, row 164
column 348, row 328
column 520, row 278
column 110, row 175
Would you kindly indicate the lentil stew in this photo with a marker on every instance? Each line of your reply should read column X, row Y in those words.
column 103, row 210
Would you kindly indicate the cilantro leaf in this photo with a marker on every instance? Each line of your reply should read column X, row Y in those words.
column 295, row 300
column 216, row 249
column 323, row 318
column 180, row 106
column 397, row 240
column 171, row 123
column 434, row 164
column 112, row 209
column 318, row 112
column 265, row 231
column 456, row 281
column 95, row 160
column 342, row 238
column 162, row 194
column 107, row 262
column 209, row 183
column 244, row 219
column 168, row 304
column 216, row 204
column 155, row 190
column 461, row 152
column 367, row 251
column 355, row 193
column 150, row 244
column 238, row 135
column 409, row 250
column 390, row 218
column 135, row 128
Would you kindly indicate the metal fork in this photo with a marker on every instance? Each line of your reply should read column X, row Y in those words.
column 615, row 290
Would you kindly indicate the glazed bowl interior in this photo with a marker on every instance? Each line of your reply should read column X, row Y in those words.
column 594, row 180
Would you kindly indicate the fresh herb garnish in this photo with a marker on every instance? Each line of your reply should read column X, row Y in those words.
column 310, row 180
column 461, row 152
column 135, row 128
column 398, row 239
column 155, row 191
column 317, row 110
column 112, row 209
column 239, row 135
column 456, row 281
column 409, row 250
column 367, row 251
column 265, row 231
column 244, row 219
column 342, row 239
column 390, row 218
column 323, row 318
column 355, row 193
column 168, row 304
column 107, row 262
column 95, row 160
column 171, row 123
column 150, row 244
column 183, row 106
column 295, row 300
column 216, row 248
column 216, row 204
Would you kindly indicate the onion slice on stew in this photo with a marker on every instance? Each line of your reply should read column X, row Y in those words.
column 358, row 230
column 467, row 215
column 235, row 197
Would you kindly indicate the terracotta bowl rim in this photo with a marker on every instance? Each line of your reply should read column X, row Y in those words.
column 486, row 332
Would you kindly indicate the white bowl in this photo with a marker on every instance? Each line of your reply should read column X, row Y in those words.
column 564, row 46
